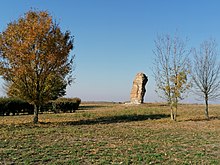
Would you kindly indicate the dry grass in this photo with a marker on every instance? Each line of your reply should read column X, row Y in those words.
column 113, row 134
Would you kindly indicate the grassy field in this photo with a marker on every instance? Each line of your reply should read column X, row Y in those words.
column 107, row 133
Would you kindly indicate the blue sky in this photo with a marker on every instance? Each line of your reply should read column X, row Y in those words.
column 114, row 39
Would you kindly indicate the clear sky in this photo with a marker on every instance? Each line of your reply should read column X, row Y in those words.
column 114, row 39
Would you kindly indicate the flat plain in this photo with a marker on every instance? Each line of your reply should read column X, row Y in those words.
column 112, row 133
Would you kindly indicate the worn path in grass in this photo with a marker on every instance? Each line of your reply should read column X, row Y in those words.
column 113, row 134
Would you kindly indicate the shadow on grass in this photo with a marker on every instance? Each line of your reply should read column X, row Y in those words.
column 114, row 119
column 89, row 107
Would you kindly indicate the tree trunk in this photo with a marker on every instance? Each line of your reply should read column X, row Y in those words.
column 171, row 111
column 206, row 107
column 36, row 105
column 36, row 111
column 176, row 104
column 175, row 114
column 171, row 114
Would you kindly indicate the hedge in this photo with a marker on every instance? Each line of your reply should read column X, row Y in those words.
column 16, row 106
column 62, row 104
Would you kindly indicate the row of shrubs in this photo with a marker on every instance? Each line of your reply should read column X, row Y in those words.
column 13, row 106
column 62, row 105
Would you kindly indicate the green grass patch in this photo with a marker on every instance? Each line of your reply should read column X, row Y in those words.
column 113, row 134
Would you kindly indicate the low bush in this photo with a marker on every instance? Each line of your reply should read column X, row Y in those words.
column 14, row 106
column 65, row 104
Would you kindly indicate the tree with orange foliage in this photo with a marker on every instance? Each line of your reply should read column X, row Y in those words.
column 35, row 59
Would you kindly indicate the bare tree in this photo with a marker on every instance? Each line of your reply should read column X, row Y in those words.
column 206, row 73
column 171, row 69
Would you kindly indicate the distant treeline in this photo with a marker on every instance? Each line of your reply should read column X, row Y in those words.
column 14, row 106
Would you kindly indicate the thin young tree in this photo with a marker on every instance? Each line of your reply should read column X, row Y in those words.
column 171, row 70
column 35, row 59
column 206, row 73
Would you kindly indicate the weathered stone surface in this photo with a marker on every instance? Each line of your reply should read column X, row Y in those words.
column 138, row 89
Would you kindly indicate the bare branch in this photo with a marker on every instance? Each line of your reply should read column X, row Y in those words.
column 171, row 67
column 206, row 72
